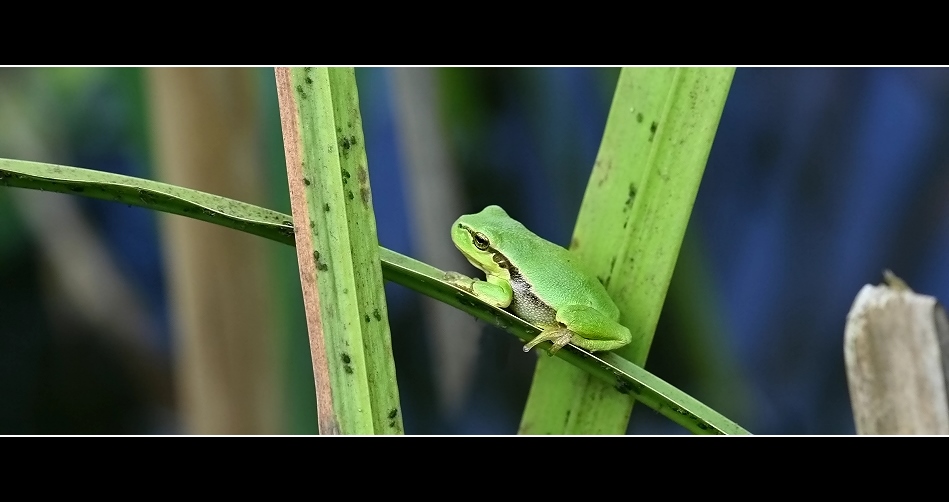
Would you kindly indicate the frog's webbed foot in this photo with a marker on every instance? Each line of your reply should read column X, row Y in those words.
column 494, row 291
column 559, row 336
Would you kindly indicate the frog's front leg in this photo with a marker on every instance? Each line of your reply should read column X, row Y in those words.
column 584, row 327
column 495, row 290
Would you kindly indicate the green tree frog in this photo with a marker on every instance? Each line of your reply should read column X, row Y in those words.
column 538, row 281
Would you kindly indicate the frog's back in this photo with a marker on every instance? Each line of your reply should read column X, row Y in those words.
column 562, row 285
column 571, row 282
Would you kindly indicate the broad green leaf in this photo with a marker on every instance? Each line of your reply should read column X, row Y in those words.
column 337, row 252
column 634, row 214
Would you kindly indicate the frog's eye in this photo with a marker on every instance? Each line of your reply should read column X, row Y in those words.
column 480, row 241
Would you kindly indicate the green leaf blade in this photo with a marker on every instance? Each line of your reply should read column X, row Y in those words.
column 658, row 135
column 364, row 241
column 342, row 282
column 149, row 194
column 618, row 375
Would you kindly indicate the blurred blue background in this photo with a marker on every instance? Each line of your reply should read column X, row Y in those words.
column 819, row 178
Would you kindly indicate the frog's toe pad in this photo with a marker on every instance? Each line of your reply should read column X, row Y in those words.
column 559, row 337
column 563, row 339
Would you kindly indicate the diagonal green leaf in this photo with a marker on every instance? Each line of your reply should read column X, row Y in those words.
column 609, row 369
column 150, row 194
column 619, row 374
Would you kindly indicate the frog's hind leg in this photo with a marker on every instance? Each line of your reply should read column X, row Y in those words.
column 560, row 336
column 584, row 327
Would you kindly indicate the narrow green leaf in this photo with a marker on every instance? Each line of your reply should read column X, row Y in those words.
column 635, row 210
column 149, row 194
column 618, row 375
column 337, row 252
column 397, row 268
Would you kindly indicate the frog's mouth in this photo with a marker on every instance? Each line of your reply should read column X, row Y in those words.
column 473, row 262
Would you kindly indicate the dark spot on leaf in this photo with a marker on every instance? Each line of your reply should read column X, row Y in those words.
column 348, row 369
column 622, row 386
column 652, row 130
column 465, row 301
column 147, row 197
column 301, row 91
column 350, row 194
column 364, row 194
column 630, row 197
column 316, row 255
column 375, row 313
column 367, row 318
column 392, row 424
column 323, row 267
column 346, row 358
column 309, row 81
column 639, row 118
column 306, row 182
column 326, row 207
column 76, row 189
column 312, row 225
column 392, row 413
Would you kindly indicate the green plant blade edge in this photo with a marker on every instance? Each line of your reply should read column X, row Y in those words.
column 624, row 376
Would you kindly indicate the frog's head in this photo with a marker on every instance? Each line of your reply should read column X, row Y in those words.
column 480, row 237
